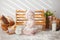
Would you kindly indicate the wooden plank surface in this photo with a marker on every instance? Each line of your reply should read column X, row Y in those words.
column 37, row 22
column 36, row 15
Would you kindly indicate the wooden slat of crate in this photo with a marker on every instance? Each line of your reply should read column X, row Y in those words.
column 21, row 11
column 35, row 16
column 21, row 19
column 40, row 23
column 26, row 19
column 20, row 23
column 36, row 23
column 26, row 10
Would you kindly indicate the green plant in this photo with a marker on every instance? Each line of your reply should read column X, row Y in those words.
column 48, row 13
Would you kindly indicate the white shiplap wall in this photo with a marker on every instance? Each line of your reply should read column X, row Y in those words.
column 8, row 7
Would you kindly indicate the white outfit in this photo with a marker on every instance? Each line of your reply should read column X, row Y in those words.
column 30, row 29
column 30, row 23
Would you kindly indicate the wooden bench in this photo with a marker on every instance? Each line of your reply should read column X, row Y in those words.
column 38, row 16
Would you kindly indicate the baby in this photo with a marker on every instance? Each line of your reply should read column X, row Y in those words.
column 30, row 29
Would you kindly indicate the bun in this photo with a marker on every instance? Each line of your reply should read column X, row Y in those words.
column 4, row 19
column 4, row 23
column 7, row 23
column 4, row 27
column 10, row 20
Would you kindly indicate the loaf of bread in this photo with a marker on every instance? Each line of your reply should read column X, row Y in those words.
column 4, row 19
column 10, row 20
column 4, row 23
column 7, row 24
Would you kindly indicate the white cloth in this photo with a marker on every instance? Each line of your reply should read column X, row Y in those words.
column 30, row 18
column 19, row 30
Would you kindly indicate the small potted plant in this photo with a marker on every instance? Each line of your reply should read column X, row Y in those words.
column 49, row 16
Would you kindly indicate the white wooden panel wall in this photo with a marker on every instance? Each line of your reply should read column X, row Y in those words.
column 8, row 7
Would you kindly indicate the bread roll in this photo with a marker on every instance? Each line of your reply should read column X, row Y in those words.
column 10, row 20
column 4, row 19
column 4, row 26
column 4, row 23
column 11, row 28
column 7, row 23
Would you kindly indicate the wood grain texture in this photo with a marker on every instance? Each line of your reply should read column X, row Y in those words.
column 37, row 22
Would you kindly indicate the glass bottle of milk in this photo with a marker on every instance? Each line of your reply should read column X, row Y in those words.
column 54, row 24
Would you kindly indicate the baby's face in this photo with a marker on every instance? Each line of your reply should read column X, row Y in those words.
column 30, row 15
